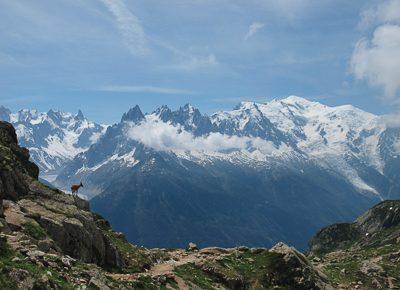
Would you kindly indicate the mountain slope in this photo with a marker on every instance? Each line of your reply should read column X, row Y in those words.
column 53, row 138
column 364, row 254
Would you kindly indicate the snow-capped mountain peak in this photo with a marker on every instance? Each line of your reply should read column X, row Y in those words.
column 53, row 138
column 287, row 158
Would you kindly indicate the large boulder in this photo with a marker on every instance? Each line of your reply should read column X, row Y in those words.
column 294, row 270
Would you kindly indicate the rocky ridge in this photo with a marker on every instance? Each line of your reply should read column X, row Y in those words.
column 364, row 254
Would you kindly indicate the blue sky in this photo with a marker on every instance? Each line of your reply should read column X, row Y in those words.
column 104, row 56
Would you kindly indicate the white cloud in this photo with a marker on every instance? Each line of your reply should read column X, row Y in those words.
column 144, row 89
column 129, row 27
column 384, row 12
column 253, row 29
column 378, row 60
column 166, row 137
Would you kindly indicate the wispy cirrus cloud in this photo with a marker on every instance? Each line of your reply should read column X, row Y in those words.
column 253, row 29
column 139, row 43
column 145, row 89
column 129, row 26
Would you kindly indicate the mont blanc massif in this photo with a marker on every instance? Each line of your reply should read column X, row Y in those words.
column 256, row 175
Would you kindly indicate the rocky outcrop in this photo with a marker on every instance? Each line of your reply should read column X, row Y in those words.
column 363, row 254
column 16, row 171
column 365, row 230
column 299, row 273
column 65, row 220
column 336, row 236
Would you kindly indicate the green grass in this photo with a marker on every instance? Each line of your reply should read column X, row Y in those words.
column 333, row 271
column 352, row 260
column 35, row 231
column 189, row 272
column 144, row 283
column 255, row 267
column 252, row 269
column 7, row 265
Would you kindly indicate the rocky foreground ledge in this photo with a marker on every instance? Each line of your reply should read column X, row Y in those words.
column 51, row 240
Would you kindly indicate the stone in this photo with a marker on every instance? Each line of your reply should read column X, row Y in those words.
column 35, row 253
column 376, row 284
column 67, row 261
column 45, row 245
column 257, row 250
column 300, row 272
column 22, row 278
column 316, row 259
column 370, row 268
column 192, row 247
column 98, row 284
column 214, row 251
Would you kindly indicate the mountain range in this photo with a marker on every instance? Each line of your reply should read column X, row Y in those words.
column 53, row 138
column 254, row 175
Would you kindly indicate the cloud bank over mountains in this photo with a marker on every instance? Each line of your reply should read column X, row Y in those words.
column 163, row 136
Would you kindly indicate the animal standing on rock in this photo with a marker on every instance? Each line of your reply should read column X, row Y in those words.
column 75, row 188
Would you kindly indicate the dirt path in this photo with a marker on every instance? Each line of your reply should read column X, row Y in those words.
column 178, row 258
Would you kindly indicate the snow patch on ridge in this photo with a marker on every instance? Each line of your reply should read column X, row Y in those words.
column 127, row 159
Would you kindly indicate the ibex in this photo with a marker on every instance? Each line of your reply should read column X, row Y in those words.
column 75, row 188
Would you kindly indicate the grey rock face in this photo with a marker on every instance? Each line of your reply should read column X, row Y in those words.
column 16, row 170
column 64, row 218
column 133, row 115
column 73, row 230
column 300, row 272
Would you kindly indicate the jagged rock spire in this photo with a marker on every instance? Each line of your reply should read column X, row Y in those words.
column 134, row 115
